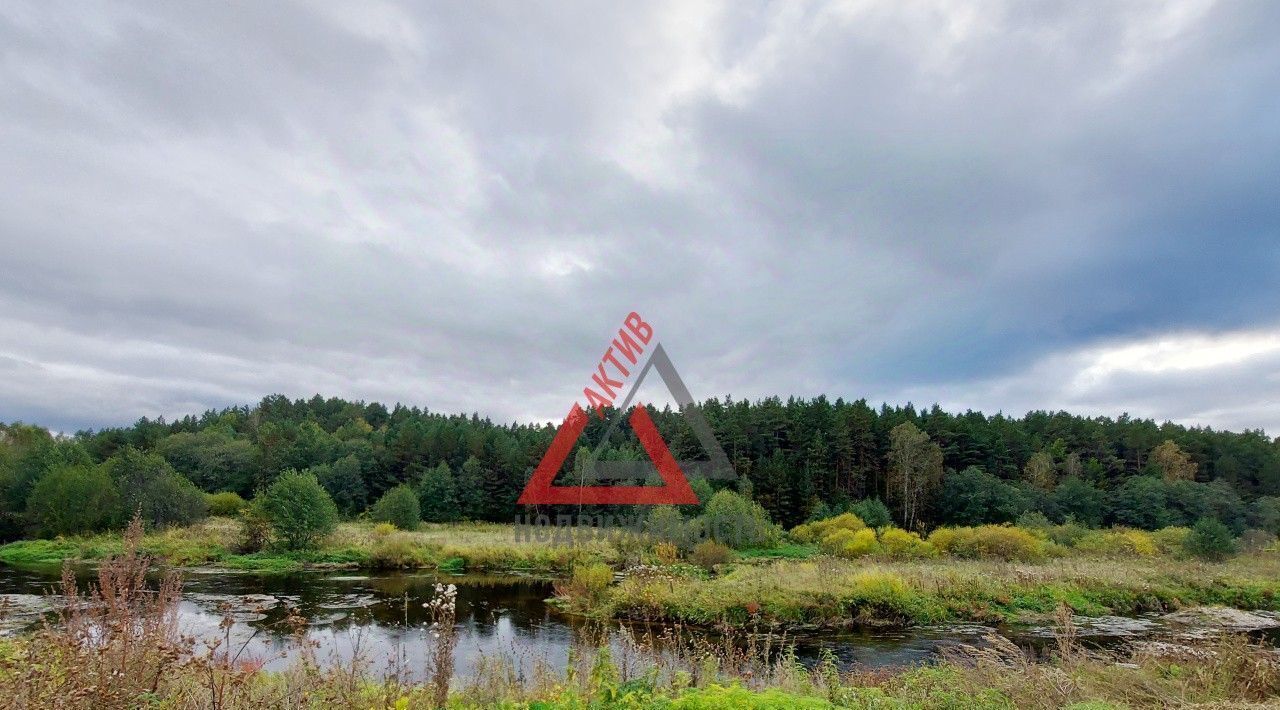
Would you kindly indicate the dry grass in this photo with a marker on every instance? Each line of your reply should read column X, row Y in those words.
column 835, row 592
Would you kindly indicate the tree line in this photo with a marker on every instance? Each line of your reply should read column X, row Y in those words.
column 800, row 459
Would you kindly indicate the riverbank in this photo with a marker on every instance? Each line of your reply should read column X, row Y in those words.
column 832, row 593
column 790, row 587
column 355, row 545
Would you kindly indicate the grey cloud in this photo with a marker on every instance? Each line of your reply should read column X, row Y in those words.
column 454, row 205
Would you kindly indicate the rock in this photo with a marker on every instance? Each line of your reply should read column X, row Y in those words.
column 1220, row 617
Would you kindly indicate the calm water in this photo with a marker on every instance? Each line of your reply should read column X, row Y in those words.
column 381, row 615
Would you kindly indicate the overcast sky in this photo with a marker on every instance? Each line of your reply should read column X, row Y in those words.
column 999, row 206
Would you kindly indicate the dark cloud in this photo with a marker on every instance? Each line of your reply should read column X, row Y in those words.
column 454, row 205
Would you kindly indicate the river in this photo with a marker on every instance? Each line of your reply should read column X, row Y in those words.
column 380, row 617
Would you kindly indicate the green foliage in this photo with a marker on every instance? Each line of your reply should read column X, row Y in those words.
column 398, row 506
column 300, row 510
column 345, row 484
column 1210, row 540
column 974, row 497
column 789, row 454
column 437, row 495
column 255, row 527
column 226, row 504
column 1171, row 540
column 873, row 512
column 915, row 471
column 1264, row 514
column 1080, row 500
column 214, row 459
column 588, row 583
column 149, row 487
column 72, row 500
column 1141, row 502
column 701, row 488
column 737, row 522
column 470, row 491
column 666, row 523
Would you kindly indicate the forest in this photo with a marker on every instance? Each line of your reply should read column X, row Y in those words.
column 801, row 459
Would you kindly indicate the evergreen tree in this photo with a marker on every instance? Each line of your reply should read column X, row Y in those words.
column 437, row 494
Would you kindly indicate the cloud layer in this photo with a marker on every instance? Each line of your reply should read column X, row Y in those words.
column 1016, row 206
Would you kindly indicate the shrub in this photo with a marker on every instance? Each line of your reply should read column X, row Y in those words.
column 666, row 553
column 1034, row 521
column 849, row 544
column 1254, row 540
column 1171, row 540
column 226, row 504
column 383, row 529
column 817, row 531
column 1068, row 533
column 150, row 487
column 587, row 583
column 1210, row 540
column 1264, row 514
column 709, row 553
column 398, row 506
column 73, row 500
column 300, row 510
column 997, row 541
column 737, row 522
column 900, row 544
column 255, row 527
column 667, row 524
column 396, row 552
column 873, row 512
column 1119, row 542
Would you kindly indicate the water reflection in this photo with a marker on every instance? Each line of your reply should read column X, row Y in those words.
column 380, row 618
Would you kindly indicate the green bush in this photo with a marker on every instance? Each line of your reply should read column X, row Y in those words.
column 255, row 528
column 150, row 487
column 587, row 583
column 737, row 522
column 73, row 500
column 1068, row 533
column 988, row 541
column 900, row 544
column 226, row 504
column 300, row 510
column 873, row 512
column 709, row 553
column 1172, row 540
column 398, row 506
column 1210, row 540
column 667, row 524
